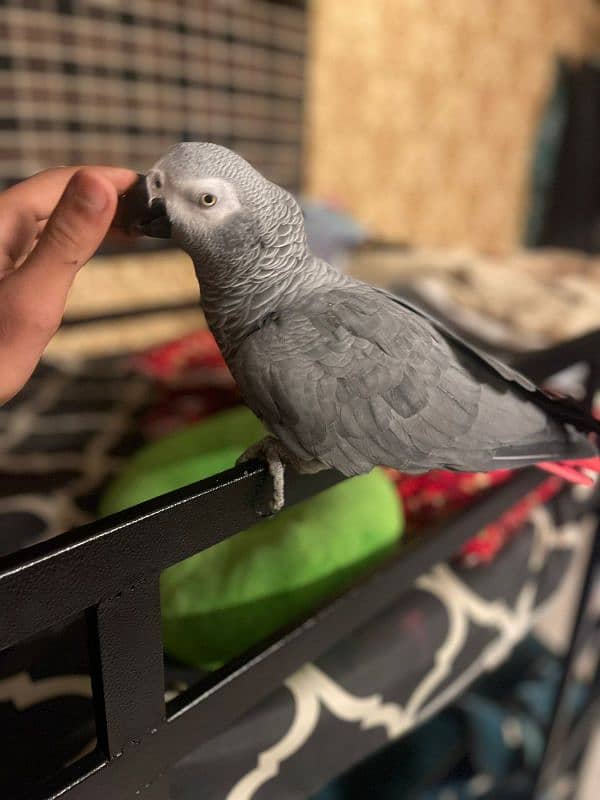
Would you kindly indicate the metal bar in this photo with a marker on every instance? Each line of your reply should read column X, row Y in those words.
column 232, row 691
column 158, row 790
column 560, row 720
column 582, row 735
column 540, row 364
column 127, row 667
column 579, row 738
column 592, row 384
column 46, row 583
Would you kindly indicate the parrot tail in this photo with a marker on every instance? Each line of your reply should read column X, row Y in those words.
column 573, row 471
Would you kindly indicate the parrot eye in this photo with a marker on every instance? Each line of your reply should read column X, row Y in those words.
column 207, row 199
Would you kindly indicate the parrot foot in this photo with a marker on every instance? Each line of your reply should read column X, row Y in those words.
column 273, row 452
column 277, row 456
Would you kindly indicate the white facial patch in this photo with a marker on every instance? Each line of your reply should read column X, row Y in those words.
column 187, row 201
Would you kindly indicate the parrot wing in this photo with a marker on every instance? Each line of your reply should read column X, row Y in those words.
column 354, row 379
column 561, row 409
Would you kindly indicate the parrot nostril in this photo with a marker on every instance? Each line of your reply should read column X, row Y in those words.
column 158, row 207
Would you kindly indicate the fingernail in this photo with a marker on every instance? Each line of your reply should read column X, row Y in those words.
column 89, row 192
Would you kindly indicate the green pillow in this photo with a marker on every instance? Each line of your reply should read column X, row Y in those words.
column 219, row 602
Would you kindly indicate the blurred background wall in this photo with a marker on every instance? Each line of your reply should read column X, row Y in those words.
column 423, row 115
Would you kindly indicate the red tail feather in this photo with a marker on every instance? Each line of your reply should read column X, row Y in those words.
column 573, row 471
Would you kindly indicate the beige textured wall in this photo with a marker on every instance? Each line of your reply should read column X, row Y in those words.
column 422, row 113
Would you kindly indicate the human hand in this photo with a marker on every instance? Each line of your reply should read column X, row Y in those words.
column 50, row 226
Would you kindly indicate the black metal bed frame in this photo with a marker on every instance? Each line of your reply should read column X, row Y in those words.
column 110, row 571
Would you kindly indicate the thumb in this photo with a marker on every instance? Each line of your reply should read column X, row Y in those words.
column 72, row 235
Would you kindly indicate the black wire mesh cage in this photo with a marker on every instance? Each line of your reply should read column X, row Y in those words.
column 87, row 80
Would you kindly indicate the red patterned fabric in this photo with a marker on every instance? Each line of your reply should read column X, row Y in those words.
column 195, row 383
column 189, row 359
column 437, row 494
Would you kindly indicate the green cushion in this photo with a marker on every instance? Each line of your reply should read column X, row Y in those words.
column 221, row 601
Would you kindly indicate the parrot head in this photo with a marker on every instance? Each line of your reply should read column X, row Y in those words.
column 212, row 203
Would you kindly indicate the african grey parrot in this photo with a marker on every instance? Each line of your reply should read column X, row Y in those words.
column 343, row 374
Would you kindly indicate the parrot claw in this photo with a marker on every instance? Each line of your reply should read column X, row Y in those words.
column 273, row 452
column 276, row 454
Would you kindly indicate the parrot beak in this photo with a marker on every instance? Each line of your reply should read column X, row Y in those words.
column 138, row 214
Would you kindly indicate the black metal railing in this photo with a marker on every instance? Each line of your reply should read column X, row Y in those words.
column 110, row 570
